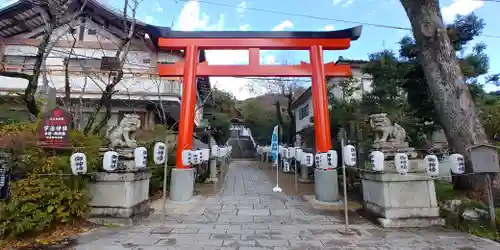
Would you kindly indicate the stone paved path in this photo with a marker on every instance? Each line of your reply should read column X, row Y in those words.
column 246, row 215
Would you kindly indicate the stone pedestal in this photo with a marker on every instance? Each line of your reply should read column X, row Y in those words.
column 401, row 200
column 182, row 185
column 326, row 185
column 213, row 172
column 119, row 195
column 304, row 174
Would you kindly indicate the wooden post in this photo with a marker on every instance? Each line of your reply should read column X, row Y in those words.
column 491, row 201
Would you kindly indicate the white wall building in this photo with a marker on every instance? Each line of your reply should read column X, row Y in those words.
column 303, row 106
column 98, row 32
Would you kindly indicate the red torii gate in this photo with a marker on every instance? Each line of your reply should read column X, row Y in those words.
column 192, row 41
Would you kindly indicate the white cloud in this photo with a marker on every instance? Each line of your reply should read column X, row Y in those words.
column 344, row 3
column 282, row 26
column 192, row 18
column 460, row 7
column 245, row 27
column 7, row 3
column 241, row 8
column 189, row 18
column 347, row 3
column 215, row 27
column 328, row 28
column 150, row 20
column 158, row 8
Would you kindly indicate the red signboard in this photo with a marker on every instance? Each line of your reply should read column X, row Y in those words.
column 55, row 128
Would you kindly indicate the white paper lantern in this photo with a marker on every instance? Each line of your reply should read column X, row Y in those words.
column 299, row 155
column 141, row 157
column 308, row 159
column 215, row 149
column 291, row 153
column 317, row 161
column 160, row 153
column 286, row 166
column 432, row 165
column 200, row 155
column 206, row 154
column 402, row 163
column 457, row 163
column 187, row 157
column 110, row 161
column 377, row 161
column 349, row 155
column 285, row 152
column 331, row 159
column 78, row 163
column 196, row 157
column 219, row 152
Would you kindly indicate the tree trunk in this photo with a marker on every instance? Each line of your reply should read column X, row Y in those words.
column 31, row 88
column 67, row 81
column 452, row 100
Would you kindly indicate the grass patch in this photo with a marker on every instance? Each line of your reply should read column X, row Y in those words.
column 445, row 191
column 481, row 227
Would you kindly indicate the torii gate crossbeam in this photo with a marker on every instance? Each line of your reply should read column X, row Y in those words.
column 254, row 41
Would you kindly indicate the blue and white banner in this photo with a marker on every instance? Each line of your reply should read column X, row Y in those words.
column 274, row 143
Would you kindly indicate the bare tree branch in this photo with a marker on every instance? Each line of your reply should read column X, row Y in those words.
column 51, row 15
column 121, row 56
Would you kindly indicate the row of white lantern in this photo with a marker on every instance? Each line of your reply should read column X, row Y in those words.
column 402, row 163
column 329, row 160
column 78, row 161
column 195, row 157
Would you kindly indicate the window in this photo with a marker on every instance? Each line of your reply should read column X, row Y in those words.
column 147, row 60
column 92, row 32
column 304, row 112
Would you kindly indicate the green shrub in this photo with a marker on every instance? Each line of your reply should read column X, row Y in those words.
column 445, row 191
column 44, row 192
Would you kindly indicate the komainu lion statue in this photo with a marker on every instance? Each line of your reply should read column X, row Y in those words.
column 385, row 130
column 123, row 134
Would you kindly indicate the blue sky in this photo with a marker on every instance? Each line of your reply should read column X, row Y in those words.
column 194, row 15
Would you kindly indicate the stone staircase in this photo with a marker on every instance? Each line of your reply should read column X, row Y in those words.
column 243, row 147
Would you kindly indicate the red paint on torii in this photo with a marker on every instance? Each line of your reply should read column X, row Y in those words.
column 315, row 42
